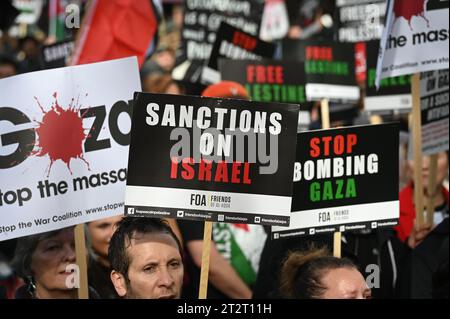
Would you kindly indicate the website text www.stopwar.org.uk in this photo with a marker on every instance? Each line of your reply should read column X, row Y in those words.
column 57, row 218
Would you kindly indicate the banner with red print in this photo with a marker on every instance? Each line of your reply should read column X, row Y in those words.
column 64, row 138
column 415, row 38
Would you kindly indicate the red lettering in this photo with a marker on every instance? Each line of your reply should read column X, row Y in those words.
column 270, row 74
column 326, row 140
column 221, row 172
column 341, row 144
column 260, row 74
column 352, row 139
column 207, row 171
column 319, row 53
column 315, row 149
column 279, row 75
column 250, row 73
column 204, row 170
column 246, row 178
column 174, row 168
column 265, row 74
column 188, row 172
column 235, row 171
column 244, row 41
column 338, row 145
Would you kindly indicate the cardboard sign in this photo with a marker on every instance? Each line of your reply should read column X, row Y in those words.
column 394, row 93
column 232, row 43
column 268, row 80
column 271, row 81
column 415, row 38
column 359, row 20
column 202, row 19
column 329, row 68
column 63, row 145
column 211, row 159
column 434, row 104
column 55, row 55
column 344, row 179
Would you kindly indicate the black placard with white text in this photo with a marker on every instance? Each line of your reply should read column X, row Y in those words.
column 394, row 93
column 344, row 179
column 232, row 43
column 329, row 68
column 202, row 19
column 268, row 80
column 434, row 104
column 56, row 55
column 211, row 159
column 359, row 20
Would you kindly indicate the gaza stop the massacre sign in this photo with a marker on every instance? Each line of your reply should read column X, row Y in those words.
column 415, row 38
column 344, row 179
column 211, row 159
column 64, row 136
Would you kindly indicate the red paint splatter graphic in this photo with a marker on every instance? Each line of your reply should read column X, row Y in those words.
column 60, row 134
column 408, row 9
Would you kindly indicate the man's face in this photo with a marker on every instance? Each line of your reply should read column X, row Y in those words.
column 156, row 267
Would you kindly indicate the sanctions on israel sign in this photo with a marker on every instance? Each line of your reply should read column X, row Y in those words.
column 211, row 159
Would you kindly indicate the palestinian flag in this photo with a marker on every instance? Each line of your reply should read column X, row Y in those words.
column 241, row 245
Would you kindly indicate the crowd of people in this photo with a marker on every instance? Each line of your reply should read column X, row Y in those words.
column 131, row 257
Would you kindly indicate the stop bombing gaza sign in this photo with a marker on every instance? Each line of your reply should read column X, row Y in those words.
column 211, row 159
column 344, row 179
column 64, row 138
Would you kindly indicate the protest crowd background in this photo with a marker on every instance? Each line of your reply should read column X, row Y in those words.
column 404, row 260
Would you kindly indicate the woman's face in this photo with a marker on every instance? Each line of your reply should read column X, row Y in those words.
column 345, row 283
column 442, row 170
column 50, row 259
column 101, row 232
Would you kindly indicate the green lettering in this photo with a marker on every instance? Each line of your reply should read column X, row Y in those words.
column 267, row 96
column 351, row 188
column 339, row 184
column 314, row 192
column 257, row 92
column 327, row 191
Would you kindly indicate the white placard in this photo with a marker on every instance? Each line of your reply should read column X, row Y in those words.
column 64, row 139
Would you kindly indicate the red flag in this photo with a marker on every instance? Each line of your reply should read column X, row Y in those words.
column 116, row 29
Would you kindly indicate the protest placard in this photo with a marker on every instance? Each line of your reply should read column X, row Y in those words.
column 344, row 179
column 64, row 139
column 211, row 159
column 202, row 19
column 393, row 95
column 329, row 68
column 434, row 104
column 235, row 44
column 359, row 20
column 271, row 81
column 415, row 38
column 57, row 54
